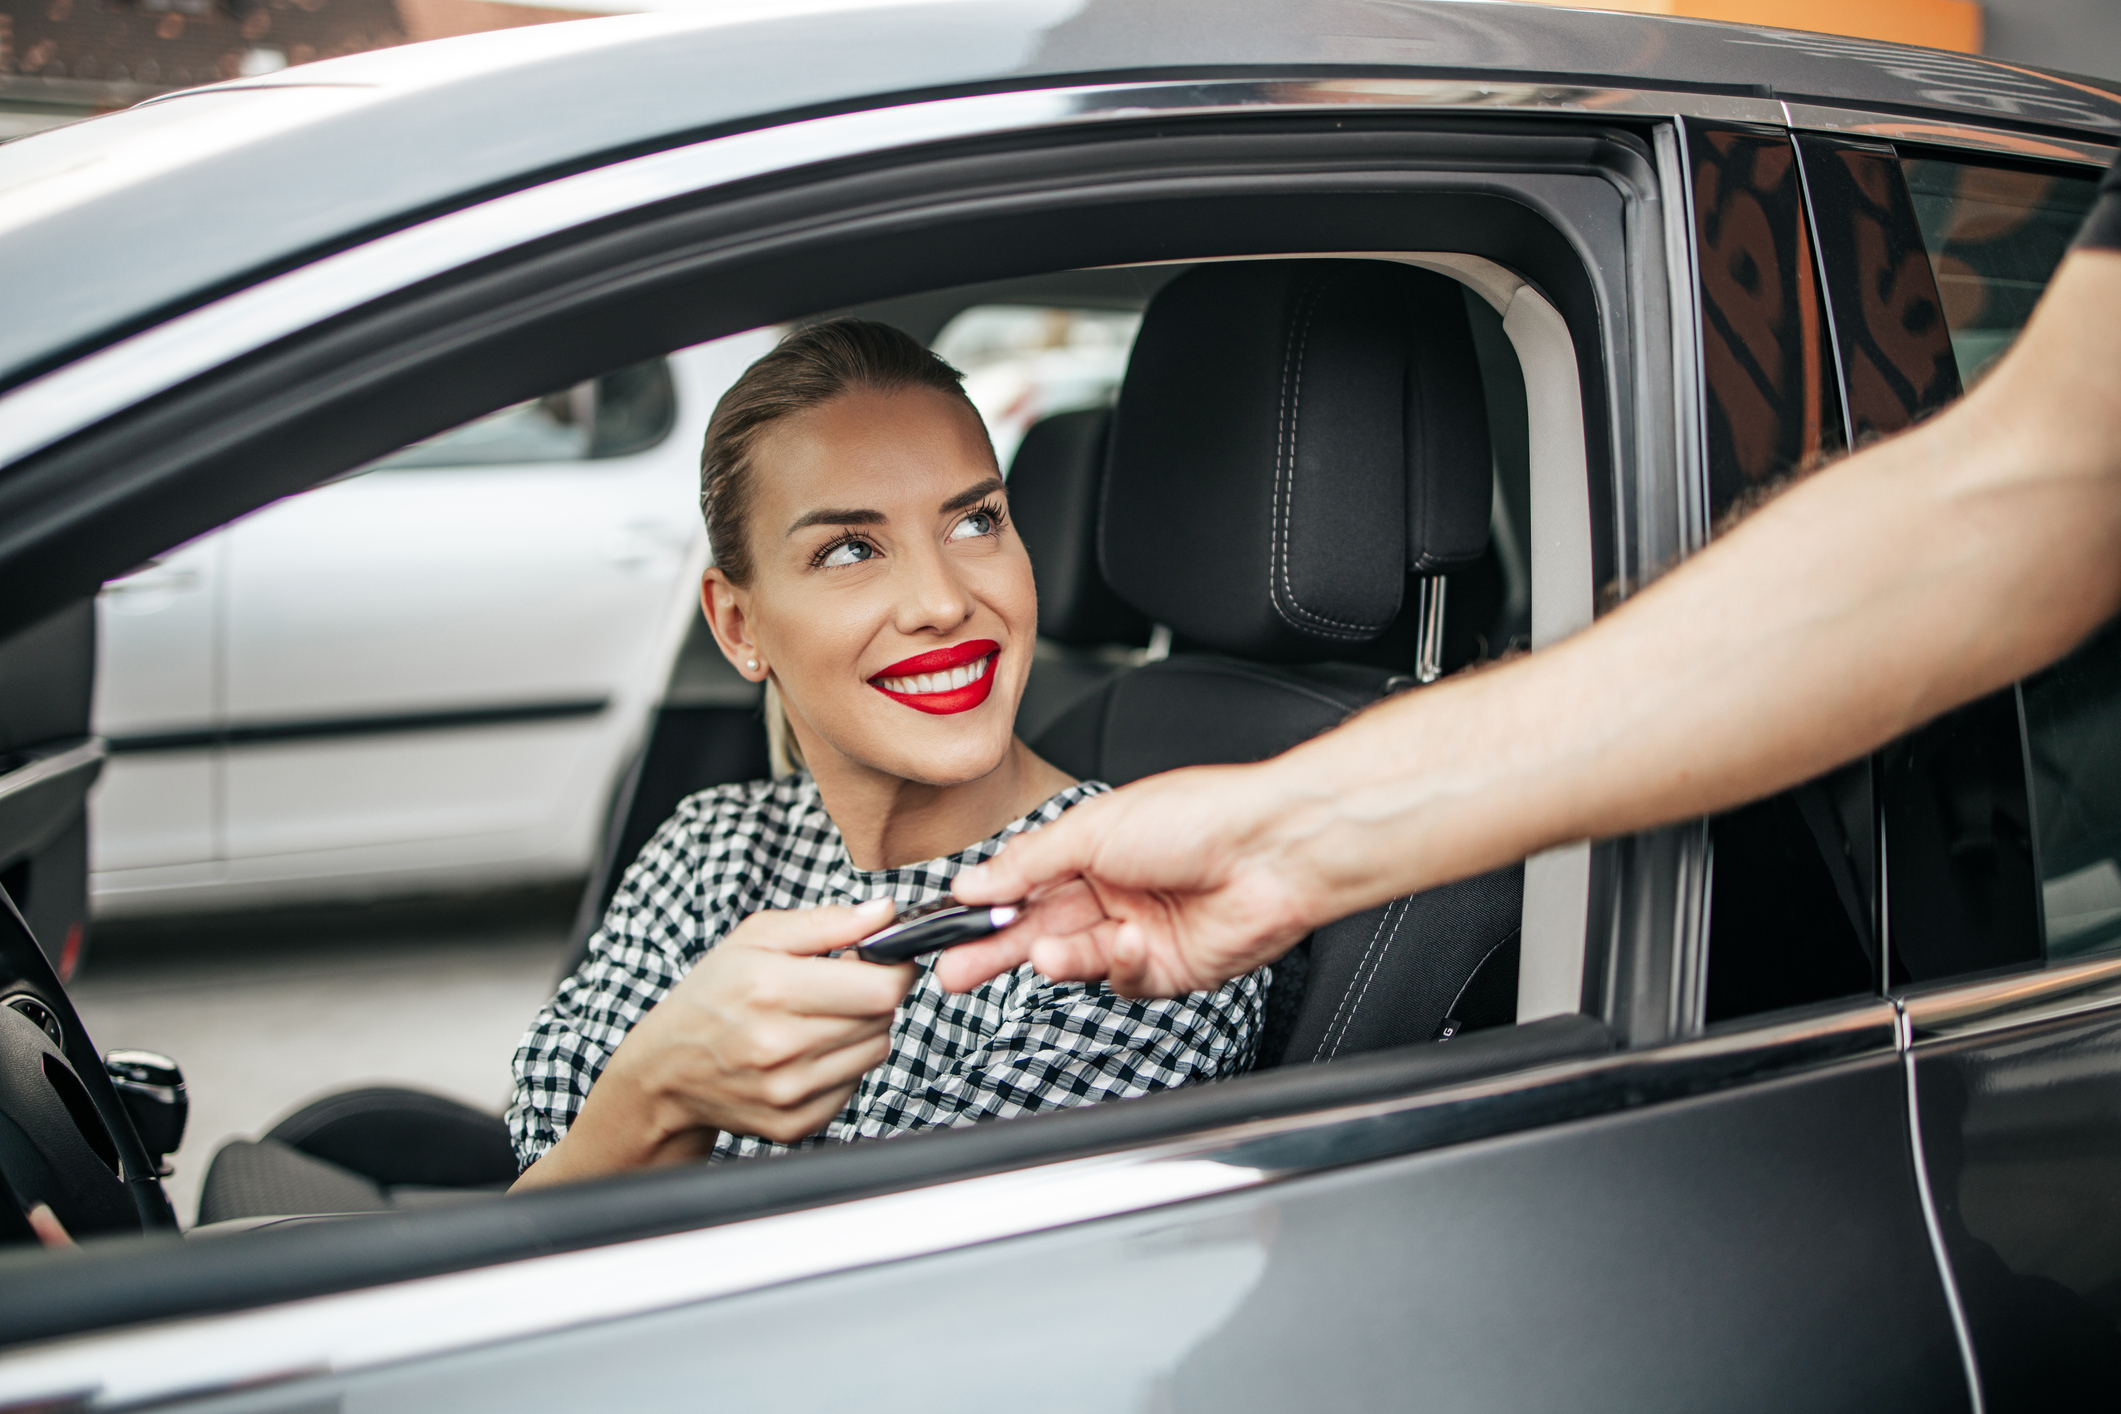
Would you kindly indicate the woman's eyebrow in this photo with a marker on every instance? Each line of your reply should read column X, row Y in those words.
column 972, row 495
column 836, row 517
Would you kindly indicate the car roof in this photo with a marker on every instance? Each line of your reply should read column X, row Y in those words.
column 113, row 223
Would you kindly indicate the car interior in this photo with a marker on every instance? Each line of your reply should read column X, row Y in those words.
column 1364, row 446
column 1272, row 627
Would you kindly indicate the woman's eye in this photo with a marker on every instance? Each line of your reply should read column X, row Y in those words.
column 977, row 524
column 852, row 552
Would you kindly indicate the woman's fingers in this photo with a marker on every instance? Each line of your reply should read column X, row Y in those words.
column 45, row 1223
column 807, row 932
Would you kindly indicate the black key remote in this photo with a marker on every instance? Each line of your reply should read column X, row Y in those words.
column 933, row 927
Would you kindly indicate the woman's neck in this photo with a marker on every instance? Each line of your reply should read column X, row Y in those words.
column 888, row 821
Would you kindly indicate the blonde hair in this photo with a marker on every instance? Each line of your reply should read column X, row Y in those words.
column 810, row 367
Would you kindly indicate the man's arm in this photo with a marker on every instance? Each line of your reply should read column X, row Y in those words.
column 1906, row 580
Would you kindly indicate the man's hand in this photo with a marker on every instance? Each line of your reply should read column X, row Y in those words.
column 1173, row 884
column 763, row 1037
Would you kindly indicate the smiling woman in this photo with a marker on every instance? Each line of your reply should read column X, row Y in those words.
column 867, row 572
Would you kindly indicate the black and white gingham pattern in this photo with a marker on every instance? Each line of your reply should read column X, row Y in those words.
column 1017, row 1045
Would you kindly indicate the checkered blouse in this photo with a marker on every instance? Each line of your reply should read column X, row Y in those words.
column 1016, row 1045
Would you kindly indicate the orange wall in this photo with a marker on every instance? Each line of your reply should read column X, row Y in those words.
column 440, row 19
column 1940, row 24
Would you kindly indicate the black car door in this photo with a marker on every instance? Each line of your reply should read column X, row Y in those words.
column 1616, row 1209
column 2000, row 825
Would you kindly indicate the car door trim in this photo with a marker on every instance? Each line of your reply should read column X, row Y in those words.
column 44, row 794
column 78, row 395
column 1945, row 133
column 380, row 724
column 145, row 1366
column 2025, row 999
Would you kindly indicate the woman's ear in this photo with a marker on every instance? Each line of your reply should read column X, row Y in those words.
column 727, row 608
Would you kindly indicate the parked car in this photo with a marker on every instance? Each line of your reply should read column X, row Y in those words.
column 1807, row 1106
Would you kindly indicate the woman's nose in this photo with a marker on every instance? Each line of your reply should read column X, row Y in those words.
column 934, row 597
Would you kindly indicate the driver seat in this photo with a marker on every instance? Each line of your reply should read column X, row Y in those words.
column 1296, row 443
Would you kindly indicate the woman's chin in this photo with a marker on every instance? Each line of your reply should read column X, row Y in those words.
column 963, row 758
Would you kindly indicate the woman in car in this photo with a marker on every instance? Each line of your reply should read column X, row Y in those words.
column 866, row 572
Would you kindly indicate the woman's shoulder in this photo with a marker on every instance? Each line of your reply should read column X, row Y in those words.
column 751, row 807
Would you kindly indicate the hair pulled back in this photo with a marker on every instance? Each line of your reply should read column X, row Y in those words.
column 807, row 369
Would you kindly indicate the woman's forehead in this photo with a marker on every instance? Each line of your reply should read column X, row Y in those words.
column 901, row 452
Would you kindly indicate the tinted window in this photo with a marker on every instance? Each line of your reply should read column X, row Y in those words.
column 1995, row 236
column 1790, row 888
column 2073, row 727
column 614, row 416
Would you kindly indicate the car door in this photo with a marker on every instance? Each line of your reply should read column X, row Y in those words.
column 156, row 822
column 1609, row 1206
column 1999, row 845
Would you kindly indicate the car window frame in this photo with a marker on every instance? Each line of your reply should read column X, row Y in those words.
column 1804, row 1041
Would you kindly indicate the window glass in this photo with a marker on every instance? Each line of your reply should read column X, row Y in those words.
column 614, row 416
column 1023, row 362
column 2073, row 731
column 1995, row 236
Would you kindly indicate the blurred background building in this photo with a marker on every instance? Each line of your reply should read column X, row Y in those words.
column 61, row 60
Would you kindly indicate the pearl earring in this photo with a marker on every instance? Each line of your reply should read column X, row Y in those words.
column 752, row 664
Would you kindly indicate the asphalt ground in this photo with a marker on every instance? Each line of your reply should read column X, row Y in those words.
column 266, row 1012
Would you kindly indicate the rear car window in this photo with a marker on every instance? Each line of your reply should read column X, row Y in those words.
column 1995, row 236
column 1023, row 362
column 617, row 415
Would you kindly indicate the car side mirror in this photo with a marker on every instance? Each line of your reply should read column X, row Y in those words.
column 152, row 1089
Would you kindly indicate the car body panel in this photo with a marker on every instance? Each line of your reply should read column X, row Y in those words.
column 349, row 141
column 1624, row 1234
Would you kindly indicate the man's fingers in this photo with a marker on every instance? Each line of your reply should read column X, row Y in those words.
column 969, row 964
column 1075, row 957
column 806, row 932
column 1061, row 850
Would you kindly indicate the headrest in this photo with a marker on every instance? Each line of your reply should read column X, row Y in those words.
column 1293, row 436
column 1054, row 482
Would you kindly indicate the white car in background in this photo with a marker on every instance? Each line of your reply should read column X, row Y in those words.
column 290, row 720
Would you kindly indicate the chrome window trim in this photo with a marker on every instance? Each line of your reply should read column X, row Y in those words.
column 147, row 1366
column 45, row 766
column 1945, row 132
column 99, row 385
column 2026, row 999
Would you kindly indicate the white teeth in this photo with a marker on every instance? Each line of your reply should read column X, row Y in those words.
column 922, row 684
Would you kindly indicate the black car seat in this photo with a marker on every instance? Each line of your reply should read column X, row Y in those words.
column 374, row 1150
column 1086, row 633
column 1292, row 439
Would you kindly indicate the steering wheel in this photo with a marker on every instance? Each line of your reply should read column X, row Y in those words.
column 65, row 1137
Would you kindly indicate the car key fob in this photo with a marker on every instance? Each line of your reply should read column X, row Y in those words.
column 933, row 927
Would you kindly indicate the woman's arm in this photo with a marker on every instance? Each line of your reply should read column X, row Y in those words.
column 1910, row 578
column 763, row 1037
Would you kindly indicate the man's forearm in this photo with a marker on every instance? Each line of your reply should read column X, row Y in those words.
column 1913, row 577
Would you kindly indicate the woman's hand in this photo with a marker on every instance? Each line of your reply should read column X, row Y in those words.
column 763, row 1037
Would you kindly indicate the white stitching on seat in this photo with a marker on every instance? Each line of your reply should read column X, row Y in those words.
column 1402, row 907
column 1316, row 624
column 1398, row 906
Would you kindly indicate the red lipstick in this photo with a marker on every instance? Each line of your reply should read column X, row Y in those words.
column 956, row 679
